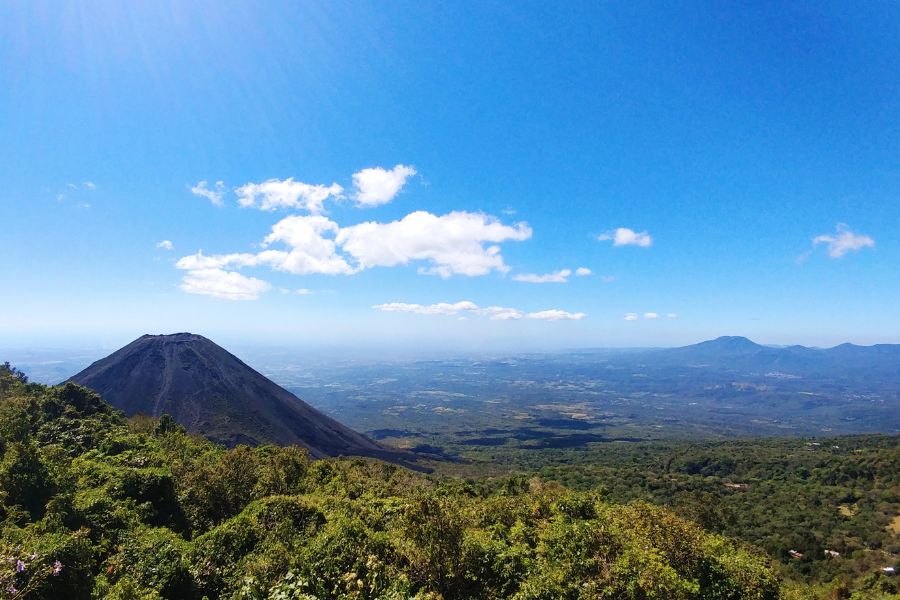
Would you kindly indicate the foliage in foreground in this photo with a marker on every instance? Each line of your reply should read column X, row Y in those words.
column 94, row 506
column 834, row 500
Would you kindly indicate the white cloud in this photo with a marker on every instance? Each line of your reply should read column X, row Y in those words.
column 165, row 245
column 582, row 272
column 843, row 241
column 287, row 193
column 561, row 276
column 494, row 313
column 313, row 244
column 649, row 316
column 229, row 285
column 376, row 186
column 213, row 194
column 310, row 248
column 442, row 308
column 297, row 292
column 627, row 237
column 555, row 315
column 90, row 185
column 501, row 313
column 453, row 244
column 194, row 262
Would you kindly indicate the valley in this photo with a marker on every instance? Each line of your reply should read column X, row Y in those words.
column 795, row 459
column 574, row 399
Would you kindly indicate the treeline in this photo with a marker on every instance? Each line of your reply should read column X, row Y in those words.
column 96, row 506
column 835, row 501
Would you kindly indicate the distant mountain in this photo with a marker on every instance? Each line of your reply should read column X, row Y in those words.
column 213, row 393
column 727, row 345
column 734, row 352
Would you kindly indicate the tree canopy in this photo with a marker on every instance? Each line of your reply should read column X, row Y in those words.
column 93, row 505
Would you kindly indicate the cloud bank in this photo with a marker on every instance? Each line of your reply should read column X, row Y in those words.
column 494, row 313
column 458, row 243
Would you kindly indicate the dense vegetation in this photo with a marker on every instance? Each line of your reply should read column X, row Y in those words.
column 96, row 506
column 812, row 496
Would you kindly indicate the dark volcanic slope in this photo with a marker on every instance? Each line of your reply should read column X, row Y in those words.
column 212, row 392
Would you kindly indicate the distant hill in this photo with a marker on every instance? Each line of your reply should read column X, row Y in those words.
column 734, row 352
column 212, row 392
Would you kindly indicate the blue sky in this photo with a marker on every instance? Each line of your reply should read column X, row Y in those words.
column 432, row 176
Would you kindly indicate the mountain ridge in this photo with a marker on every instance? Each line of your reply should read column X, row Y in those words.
column 741, row 352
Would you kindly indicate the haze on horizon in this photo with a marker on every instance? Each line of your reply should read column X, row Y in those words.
column 441, row 178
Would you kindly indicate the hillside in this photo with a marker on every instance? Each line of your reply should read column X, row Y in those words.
column 816, row 496
column 213, row 393
column 94, row 506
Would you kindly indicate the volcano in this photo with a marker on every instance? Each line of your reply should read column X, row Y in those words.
column 211, row 392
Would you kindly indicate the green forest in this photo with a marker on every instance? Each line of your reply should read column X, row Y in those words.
column 835, row 500
column 94, row 505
